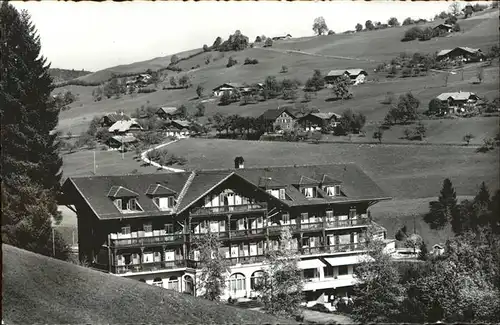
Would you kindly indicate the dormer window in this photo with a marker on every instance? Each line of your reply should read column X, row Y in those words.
column 124, row 199
column 278, row 193
column 163, row 197
column 332, row 190
column 128, row 205
column 164, row 203
column 309, row 192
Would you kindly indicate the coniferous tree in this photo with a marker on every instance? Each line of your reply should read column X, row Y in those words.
column 31, row 165
column 445, row 209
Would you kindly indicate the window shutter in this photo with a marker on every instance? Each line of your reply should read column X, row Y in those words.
column 171, row 202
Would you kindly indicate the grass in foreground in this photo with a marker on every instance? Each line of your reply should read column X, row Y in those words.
column 38, row 289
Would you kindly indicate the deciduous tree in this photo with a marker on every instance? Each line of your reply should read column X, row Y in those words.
column 214, row 267
column 282, row 283
column 319, row 26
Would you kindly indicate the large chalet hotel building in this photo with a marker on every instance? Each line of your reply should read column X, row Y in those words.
column 142, row 226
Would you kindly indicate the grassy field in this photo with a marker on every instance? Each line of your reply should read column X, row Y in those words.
column 403, row 171
column 81, row 163
column 370, row 48
column 38, row 289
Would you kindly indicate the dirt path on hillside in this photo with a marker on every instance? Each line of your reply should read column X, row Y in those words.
column 314, row 54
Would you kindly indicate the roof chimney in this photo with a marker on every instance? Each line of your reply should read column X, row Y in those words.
column 239, row 162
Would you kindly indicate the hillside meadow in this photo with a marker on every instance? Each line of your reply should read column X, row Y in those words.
column 38, row 289
column 301, row 56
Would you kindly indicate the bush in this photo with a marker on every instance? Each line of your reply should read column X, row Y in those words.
column 268, row 42
column 284, row 69
column 412, row 34
column 251, row 61
column 451, row 20
column 406, row 72
column 146, row 90
column 231, row 61
column 426, row 34
column 456, row 28
column 389, row 98
column 320, row 308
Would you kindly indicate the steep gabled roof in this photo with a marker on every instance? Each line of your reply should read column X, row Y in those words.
column 120, row 191
column 459, row 95
column 326, row 116
column 168, row 110
column 183, row 123
column 96, row 190
column 444, row 52
column 336, row 73
column 124, row 126
column 269, row 182
column 159, row 190
column 328, row 180
column 273, row 114
column 356, row 72
column 304, row 180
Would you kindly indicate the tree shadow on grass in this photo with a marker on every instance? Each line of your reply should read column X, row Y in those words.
column 333, row 99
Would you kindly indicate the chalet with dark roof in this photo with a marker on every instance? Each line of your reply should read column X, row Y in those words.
column 317, row 121
column 111, row 118
column 168, row 113
column 145, row 227
column 281, row 119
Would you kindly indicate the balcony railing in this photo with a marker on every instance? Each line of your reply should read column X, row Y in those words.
column 312, row 225
column 152, row 266
column 140, row 241
column 229, row 209
column 347, row 223
column 246, row 259
column 236, row 233
column 331, row 249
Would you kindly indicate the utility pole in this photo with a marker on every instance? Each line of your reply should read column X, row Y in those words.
column 94, row 163
column 52, row 223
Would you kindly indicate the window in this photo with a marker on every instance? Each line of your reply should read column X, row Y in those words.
column 329, row 190
column 164, row 203
column 126, row 230
column 256, row 279
column 282, row 194
column 308, row 192
column 305, row 242
column 343, row 270
column 286, row 218
column 310, row 273
column 169, row 228
column 236, row 282
column 158, row 282
column 352, row 213
column 328, row 271
column 337, row 190
column 304, row 217
column 128, row 205
column 329, row 216
column 148, row 227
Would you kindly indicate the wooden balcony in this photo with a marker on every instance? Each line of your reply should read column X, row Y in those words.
column 232, row 209
column 347, row 223
column 332, row 249
column 246, row 259
column 152, row 266
column 170, row 239
column 234, row 234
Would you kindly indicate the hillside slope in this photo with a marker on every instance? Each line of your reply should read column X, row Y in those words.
column 60, row 75
column 136, row 67
column 38, row 289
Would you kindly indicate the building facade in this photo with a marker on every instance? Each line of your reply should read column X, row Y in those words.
column 144, row 226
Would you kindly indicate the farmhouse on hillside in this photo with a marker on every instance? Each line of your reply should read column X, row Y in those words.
column 357, row 76
column 459, row 102
column 168, row 113
column 121, row 127
column 444, row 27
column 317, row 121
column 111, row 118
column 142, row 226
column 122, row 142
column 282, row 37
column 463, row 53
column 281, row 119
column 230, row 87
